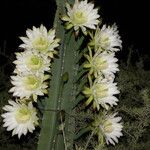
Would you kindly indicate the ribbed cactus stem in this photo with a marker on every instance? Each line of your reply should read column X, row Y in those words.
column 49, row 126
column 57, row 132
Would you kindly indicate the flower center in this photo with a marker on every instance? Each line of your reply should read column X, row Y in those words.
column 104, row 41
column 23, row 114
column 34, row 62
column 100, row 91
column 99, row 64
column 79, row 18
column 40, row 44
column 31, row 82
column 108, row 128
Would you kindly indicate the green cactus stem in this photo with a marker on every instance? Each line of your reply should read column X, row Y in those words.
column 57, row 129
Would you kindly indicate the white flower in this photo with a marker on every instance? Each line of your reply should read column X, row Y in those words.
column 41, row 40
column 102, row 63
column 111, row 128
column 101, row 93
column 81, row 15
column 31, row 61
column 107, row 126
column 109, row 78
column 106, row 39
column 20, row 118
column 26, row 86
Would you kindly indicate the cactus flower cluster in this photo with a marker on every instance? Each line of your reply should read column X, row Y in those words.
column 33, row 67
column 102, row 88
column 29, row 79
column 101, row 64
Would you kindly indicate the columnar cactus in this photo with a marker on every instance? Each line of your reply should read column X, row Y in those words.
column 82, row 71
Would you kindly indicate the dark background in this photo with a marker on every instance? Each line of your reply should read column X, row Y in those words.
column 131, row 16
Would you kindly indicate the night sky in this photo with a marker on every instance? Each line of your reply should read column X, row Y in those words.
column 131, row 17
